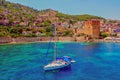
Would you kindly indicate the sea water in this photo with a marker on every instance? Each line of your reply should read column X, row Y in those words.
column 94, row 61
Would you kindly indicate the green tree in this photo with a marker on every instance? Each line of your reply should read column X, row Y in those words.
column 67, row 33
column 48, row 29
column 31, row 35
column 104, row 35
column 16, row 30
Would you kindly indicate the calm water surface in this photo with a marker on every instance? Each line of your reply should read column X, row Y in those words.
column 94, row 61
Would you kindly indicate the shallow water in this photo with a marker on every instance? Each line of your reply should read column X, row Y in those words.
column 94, row 61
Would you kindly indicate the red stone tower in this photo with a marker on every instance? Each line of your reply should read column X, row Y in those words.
column 92, row 28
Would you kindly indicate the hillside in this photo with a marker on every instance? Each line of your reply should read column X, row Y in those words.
column 17, row 19
column 16, row 13
column 77, row 17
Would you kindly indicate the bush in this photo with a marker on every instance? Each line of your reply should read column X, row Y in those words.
column 3, row 34
column 67, row 33
column 31, row 35
column 48, row 29
column 15, row 35
column 103, row 35
column 4, row 31
column 15, row 30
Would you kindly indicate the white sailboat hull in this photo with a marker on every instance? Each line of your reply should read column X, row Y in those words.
column 56, row 66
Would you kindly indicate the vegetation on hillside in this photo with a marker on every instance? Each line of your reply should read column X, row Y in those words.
column 76, row 18
column 17, row 20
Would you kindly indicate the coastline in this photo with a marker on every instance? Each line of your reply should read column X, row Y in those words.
column 19, row 40
column 47, row 39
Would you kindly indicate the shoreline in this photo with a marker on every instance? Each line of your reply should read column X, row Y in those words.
column 47, row 39
column 31, row 40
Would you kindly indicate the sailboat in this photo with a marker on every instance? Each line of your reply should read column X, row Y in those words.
column 58, row 63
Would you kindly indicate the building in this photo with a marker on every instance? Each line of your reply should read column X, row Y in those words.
column 92, row 28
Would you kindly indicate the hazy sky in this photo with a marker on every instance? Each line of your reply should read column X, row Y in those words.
column 109, row 9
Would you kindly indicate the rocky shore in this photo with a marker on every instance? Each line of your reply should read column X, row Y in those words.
column 45, row 39
column 31, row 39
column 23, row 39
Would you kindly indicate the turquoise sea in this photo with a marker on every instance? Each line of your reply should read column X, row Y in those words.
column 94, row 61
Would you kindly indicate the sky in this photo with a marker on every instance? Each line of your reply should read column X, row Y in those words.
column 109, row 9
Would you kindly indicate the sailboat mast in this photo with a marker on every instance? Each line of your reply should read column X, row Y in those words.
column 55, row 44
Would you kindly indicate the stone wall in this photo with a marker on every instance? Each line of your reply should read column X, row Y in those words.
column 32, row 39
column 5, row 40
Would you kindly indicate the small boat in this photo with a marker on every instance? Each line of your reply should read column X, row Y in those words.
column 58, row 63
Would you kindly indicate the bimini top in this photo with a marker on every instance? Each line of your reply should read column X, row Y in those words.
column 65, row 58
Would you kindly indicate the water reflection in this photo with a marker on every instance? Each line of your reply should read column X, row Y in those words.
column 56, row 73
